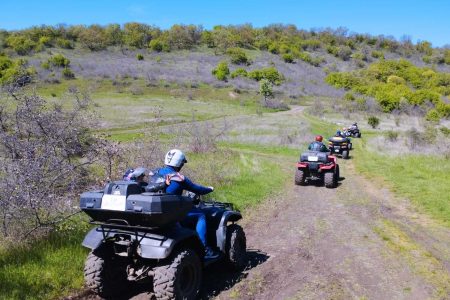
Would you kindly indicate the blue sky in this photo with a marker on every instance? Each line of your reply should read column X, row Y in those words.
column 421, row 20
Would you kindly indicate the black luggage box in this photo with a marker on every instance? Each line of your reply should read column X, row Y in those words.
column 123, row 201
column 314, row 156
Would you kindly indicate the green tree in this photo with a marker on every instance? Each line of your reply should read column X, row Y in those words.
column 136, row 34
column 266, row 89
column 221, row 71
column 93, row 38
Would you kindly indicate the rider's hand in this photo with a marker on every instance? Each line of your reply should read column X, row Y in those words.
column 211, row 187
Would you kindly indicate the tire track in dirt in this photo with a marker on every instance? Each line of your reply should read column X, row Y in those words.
column 322, row 244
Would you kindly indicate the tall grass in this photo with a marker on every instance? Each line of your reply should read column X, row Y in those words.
column 423, row 179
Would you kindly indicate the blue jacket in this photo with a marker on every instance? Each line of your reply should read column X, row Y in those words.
column 177, row 187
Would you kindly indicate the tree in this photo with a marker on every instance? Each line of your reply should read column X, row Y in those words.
column 221, row 71
column 266, row 89
column 93, row 38
column 136, row 34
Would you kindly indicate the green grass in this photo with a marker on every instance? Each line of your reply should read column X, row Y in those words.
column 46, row 269
column 422, row 179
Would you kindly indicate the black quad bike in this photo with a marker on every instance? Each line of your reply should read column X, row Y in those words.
column 139, row 238
column 314, row 165
column 354, row 132
column 340, row 146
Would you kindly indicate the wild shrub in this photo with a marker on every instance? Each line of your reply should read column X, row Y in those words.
column 349, row 96
column 344, row 53
column 49, row 159
column 373, row 121
column 139, row 56
column 64, row 43
column 392, row 136
column 395, row 79
column 377, row 54
column 221, row 71
column 333, row 50
column 433, row 115
column 270, row 74
column 288, row 58
column 68, row 73
column 238, row 56
column 45, row 41
column 159, row 45
column 445, row 130
column 239, row 72
column 59, row 60
column 447, row 56
column 15, row 72
column 20, row 44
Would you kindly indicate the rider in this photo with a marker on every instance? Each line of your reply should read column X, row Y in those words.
column 174, row 161
column 317, row 145
column 339, row 134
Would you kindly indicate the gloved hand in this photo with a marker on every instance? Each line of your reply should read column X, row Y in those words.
column 211, row 187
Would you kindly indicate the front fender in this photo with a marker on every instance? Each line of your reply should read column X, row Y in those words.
column 221, row 232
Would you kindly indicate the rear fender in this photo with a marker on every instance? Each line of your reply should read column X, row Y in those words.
column 150, row 245
column 301, row 165
column 221, row 232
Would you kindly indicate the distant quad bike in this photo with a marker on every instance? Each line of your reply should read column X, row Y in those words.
column 139, row 238
column 340, row 146
column 353, row 131
column 314, row 165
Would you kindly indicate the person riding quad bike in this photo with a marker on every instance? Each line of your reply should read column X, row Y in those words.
column 317, row 145
column 354, row 130
column 339, row 144
column 156, row 237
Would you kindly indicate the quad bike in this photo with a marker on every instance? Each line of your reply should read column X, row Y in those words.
column 139, row 238
column 314, row 165
column 354, row 131
column 340, row 146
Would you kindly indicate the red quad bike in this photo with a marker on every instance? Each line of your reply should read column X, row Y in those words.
column 314, row 165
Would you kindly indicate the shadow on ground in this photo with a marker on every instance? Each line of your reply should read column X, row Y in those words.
column 217, row 278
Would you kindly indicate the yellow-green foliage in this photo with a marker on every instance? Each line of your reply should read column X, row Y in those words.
column 11, row 71
column 221, row 71
column 390, row 81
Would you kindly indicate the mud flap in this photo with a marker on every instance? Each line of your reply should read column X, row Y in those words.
column 221, row 232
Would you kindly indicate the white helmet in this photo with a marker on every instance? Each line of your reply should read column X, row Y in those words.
column 175, row 158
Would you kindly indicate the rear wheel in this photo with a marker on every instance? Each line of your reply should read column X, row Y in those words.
column 330, row 180
column 359, row 134
column 236, row 246
column 104, row 274
column 300, row 177
column 345, row 154
column 179, row 277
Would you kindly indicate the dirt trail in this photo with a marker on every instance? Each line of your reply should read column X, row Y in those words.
column 321, row 244
column 357, row 241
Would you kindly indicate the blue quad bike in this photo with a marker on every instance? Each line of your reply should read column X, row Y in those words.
column 139, row 238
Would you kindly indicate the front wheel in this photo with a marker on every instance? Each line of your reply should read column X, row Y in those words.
column 178, row 277
column 104, row 274
column 236, row 247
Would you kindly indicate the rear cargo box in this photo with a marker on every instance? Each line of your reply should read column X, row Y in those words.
column 123, row 201
column 314, row 156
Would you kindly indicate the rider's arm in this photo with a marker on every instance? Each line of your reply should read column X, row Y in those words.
column 195, row 188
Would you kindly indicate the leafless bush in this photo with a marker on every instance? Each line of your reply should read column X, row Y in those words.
column 46, row 152
column 274, row 104
column 317, row 108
